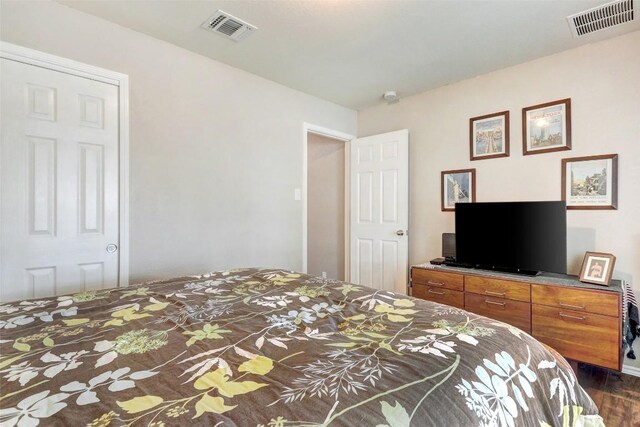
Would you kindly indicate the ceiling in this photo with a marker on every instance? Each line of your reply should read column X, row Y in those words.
column 350, row 52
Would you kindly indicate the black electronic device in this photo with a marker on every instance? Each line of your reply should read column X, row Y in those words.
column 449, row 246
column 519, row 237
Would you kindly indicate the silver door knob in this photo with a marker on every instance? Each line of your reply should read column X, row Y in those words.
column 400, row 232
column 112, row 247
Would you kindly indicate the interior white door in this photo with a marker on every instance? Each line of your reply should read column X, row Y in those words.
column 58, row 183
column 380, row 211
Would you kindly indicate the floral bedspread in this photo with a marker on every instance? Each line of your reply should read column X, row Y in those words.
column 264, row 347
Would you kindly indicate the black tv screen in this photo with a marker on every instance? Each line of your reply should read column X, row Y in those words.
column 523, row 237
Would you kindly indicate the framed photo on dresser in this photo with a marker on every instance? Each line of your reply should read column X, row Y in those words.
column 597, row 268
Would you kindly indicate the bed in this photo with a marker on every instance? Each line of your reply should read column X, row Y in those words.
column 274, row 348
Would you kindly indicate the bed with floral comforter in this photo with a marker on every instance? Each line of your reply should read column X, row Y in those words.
column 273, row 348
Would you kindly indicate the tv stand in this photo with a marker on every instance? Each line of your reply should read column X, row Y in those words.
column 510, row 271
column 582, row 322
column 453, row 263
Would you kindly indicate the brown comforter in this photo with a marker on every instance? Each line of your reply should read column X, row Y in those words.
column 273, row 348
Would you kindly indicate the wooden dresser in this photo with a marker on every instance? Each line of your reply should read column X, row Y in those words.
column 582, row 322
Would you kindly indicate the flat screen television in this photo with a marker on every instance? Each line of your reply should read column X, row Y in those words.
column 522, row 237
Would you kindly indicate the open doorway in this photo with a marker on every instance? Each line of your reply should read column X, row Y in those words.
column 326, row 206
column 326, row 201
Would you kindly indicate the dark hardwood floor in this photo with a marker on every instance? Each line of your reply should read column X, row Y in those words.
column 617, row 395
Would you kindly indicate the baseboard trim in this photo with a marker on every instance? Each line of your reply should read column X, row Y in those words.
column 631, row 370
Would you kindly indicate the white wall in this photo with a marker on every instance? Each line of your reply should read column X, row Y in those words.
column 325, row 206
column 215, row 152
column 602, row 80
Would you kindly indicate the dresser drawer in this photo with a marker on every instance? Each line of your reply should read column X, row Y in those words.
column 439, row 294
column 516, row 313
column 508, row 289
column 580, row 336
column 590, row 301
column 438, row 278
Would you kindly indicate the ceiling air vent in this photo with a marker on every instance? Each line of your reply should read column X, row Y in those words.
column 601, row 17
column 228, row 26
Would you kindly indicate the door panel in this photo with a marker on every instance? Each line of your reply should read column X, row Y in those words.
column 41, row 282
column 389, row 196
column 364, row 259
column 58, row 182
column 41, row 188
column 380, row 211
column 365, row 197
column 388, row 262
column 91, row 180
column 92, row 275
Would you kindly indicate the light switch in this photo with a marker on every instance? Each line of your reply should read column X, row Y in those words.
column 297, row 194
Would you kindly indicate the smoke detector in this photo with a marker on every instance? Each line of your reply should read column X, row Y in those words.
column 228, row 26
column 601, row 17
column 391, row 96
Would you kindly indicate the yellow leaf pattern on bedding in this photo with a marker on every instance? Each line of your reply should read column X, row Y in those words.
column 75, row 322
column 260, row 366
column 220, row 381
column 157, row 306
column 398, row 318
column 129, row 313
column 211, row 332
column 211, row 404
column 386, row 308
column 20, row 346
column 140, row 404
column 403, row 303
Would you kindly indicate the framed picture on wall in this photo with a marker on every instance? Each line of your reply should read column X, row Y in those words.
column 489, row 136
column 597, row 268
column 546, row 127
column 590, row 182
column 457, row 186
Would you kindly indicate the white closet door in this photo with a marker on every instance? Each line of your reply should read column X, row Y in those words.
column 58, row 183
column 380, row 211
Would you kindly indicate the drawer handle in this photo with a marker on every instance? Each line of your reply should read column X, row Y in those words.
column 437, row 293
column 569, row 316
column 578, row 307
column 435, row 283
column 497, row 294
column 501, row 304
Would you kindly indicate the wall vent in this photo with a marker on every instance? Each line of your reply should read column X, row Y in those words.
column 228, row 26
column 601, row 17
